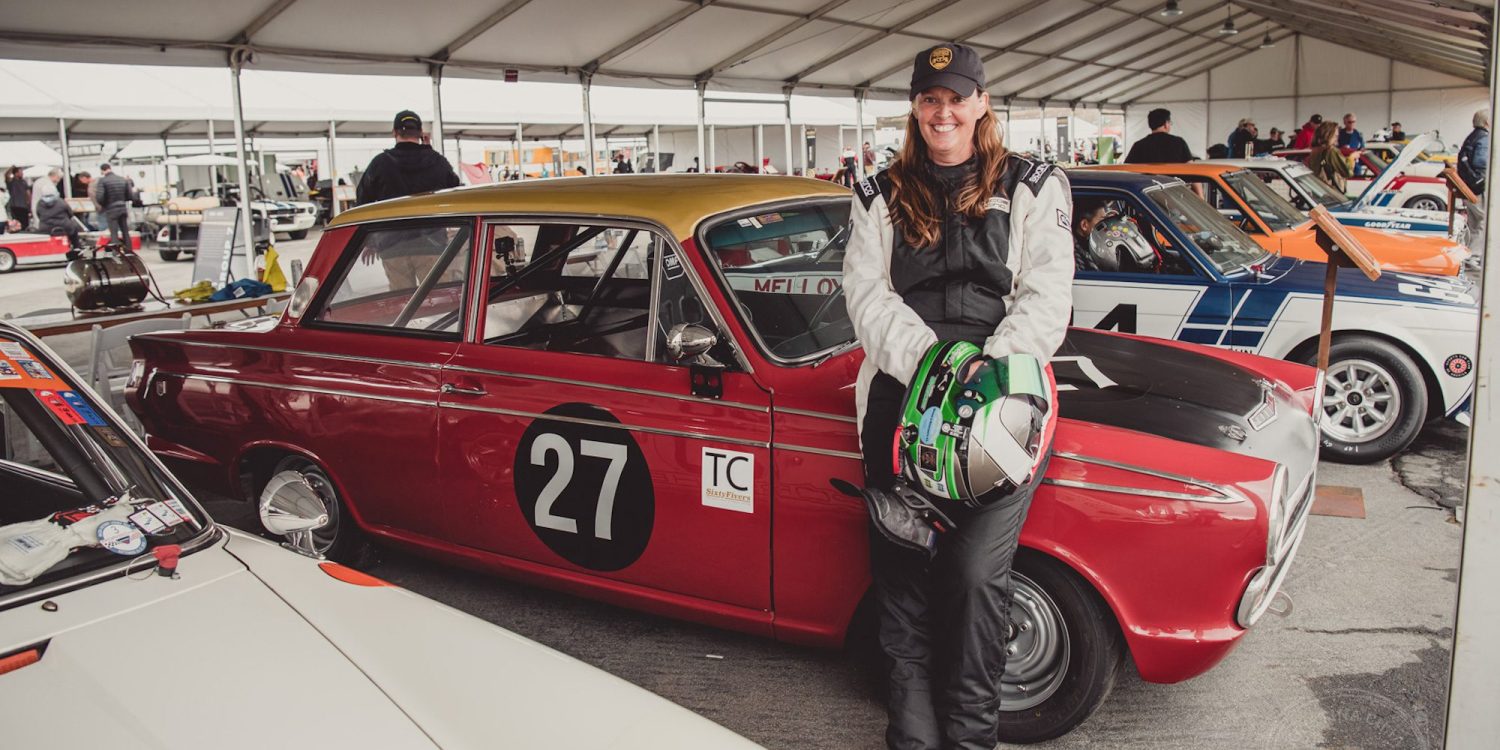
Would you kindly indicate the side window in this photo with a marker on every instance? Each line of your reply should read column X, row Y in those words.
column 404, row 277
column 570, row 288
column 1113, row 235
column 680, row 304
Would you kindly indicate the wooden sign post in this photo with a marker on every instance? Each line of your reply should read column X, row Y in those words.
column 1346, row 251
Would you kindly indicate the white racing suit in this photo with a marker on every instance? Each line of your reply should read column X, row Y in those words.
column 1005, row 284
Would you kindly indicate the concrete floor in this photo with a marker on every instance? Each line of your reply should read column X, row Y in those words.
column 1360, row 662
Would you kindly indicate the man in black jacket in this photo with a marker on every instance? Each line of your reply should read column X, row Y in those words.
column 410, row 167
column 112, row 196
column 1161, row 147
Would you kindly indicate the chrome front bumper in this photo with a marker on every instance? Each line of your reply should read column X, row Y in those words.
column 1261, row 590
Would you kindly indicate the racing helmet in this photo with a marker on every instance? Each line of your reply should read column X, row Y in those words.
column 966, row 440
column 1116, row 244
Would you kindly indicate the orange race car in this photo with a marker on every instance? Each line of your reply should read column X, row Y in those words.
column 1282, row 228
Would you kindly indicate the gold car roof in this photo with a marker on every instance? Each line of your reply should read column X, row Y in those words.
column 676, row 201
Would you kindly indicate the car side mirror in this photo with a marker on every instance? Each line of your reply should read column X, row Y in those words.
column 291, row 508
column 689, row 341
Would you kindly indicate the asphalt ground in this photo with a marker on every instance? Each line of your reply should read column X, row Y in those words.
column 1360, row 662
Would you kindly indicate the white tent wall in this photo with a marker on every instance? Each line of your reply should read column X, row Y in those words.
column 1328, row 79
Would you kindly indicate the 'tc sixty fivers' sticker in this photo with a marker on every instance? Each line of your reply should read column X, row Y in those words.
column 584, row 487
column 729, row 480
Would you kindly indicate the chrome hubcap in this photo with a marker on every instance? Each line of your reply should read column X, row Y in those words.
column 324, row 536
column 1360, row 401
column 1038, row 651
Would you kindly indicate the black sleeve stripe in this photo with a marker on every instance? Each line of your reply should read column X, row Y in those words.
column 872, row 186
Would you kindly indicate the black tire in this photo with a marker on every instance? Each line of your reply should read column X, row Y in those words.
column 1426, row 203
column 298, row 235
column 1374, row 387
column 1075, row 681
column 341, row 540
column 169, row 256
column 7, row 260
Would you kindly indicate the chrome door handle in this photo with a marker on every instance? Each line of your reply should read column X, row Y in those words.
column 451, row 388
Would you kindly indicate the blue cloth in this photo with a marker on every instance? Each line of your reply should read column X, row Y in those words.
column 242, row 289
column 1351, row 139
column 1474, row 159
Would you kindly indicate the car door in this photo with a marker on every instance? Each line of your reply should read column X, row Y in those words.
column 1172, row 299
column 571, row 439
column 362, row 368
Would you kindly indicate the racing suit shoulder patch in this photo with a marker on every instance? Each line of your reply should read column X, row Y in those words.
column 1023, row 171
column 872, row 186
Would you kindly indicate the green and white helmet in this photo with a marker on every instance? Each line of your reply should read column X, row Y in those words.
column 960, row 440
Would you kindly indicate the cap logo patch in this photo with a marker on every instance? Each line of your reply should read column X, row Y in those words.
column 940, row 58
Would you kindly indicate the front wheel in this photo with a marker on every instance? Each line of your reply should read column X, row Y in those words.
column 168, row 255
column 1065, row 651
column 300, row 234
column 1426, row 203
column 1374, row 400
column 7, row 261
column 340, row 539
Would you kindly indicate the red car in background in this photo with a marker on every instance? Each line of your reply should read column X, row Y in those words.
column 640, row 388
column 22, row 249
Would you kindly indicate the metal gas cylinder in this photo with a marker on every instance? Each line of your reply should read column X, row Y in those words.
column 110, row 281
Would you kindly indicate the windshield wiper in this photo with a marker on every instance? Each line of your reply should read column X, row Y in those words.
column 836, row 351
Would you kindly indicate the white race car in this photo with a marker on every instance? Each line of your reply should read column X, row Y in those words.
column 129, row 620
column 1423, row 165
column 1375, row 208
column 1399, row 186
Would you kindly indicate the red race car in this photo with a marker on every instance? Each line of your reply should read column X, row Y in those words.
column 28, row 249
column 640, row 388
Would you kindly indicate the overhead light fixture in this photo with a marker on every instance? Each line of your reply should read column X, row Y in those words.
column 1171, row 11
column 1228, row 28
column 1265, row 41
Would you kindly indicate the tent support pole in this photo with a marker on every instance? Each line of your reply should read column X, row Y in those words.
column 520, row 152
column 333, row 171
column 656, row 148
column 67, row 180
column 590, row 162
column 247, row 225
column 802, row 147
column 213, row 150
column 437, row 108
column 859, row 130
column 787, row 91
column 760, row 148
column 702, row 119
column 709, row 161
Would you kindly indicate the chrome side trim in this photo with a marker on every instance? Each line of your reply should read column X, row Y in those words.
column 38, row 474
column 602, row 386
column 1225, row 494
column 303, row 389
column 816, row 451
column 304, row 353
column 603, row 423
column 210, row 535
column 1134, row 491
column 818, row 414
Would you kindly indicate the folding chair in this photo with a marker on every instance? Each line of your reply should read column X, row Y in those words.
column 109, row 360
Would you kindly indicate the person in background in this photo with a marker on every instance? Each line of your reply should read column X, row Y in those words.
column 113, row 199
column 957, row 239
column 1349, row 137
column 83, row 187
column 50, row 183
column 582, row 172
column 1218, row 151
column 1276, row 142
column 54, row 217
column 1242, row 141
column 1087, row 213
column 1473, row 165
column 1397, row 134
column 1326, row 161
column 1304, row 137
column 1160, row 147
column 867, row 154
column 622, row 164
column 409, row 167
column 19, row 202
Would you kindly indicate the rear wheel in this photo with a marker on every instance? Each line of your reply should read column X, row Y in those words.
column 1374, row 400
column 1064, row 653
column 340, row 539
column 1426, row 203
column 168, row 255
column 7, row 261
column 298, row 235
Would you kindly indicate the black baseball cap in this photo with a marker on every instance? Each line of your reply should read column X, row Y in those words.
column 952, row 66
column 407, row 120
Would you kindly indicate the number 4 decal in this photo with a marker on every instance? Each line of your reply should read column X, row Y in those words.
column 1121, row 319
column 604, row 511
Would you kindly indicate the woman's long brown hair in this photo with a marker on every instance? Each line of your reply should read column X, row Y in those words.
column 916, row 205
column 1326, row 134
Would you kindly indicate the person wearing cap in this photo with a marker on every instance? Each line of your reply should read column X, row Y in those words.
column 1160, row 147
column 409, row 167
column 957, row 239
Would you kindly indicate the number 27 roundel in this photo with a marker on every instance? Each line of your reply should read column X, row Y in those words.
column 584, row 488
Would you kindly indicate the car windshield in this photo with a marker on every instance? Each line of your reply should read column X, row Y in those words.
column 1225, row 246
column 75, row 494
column 1278, row 214
column 1377, row 161
column 784, row 270
column 1317, row 189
